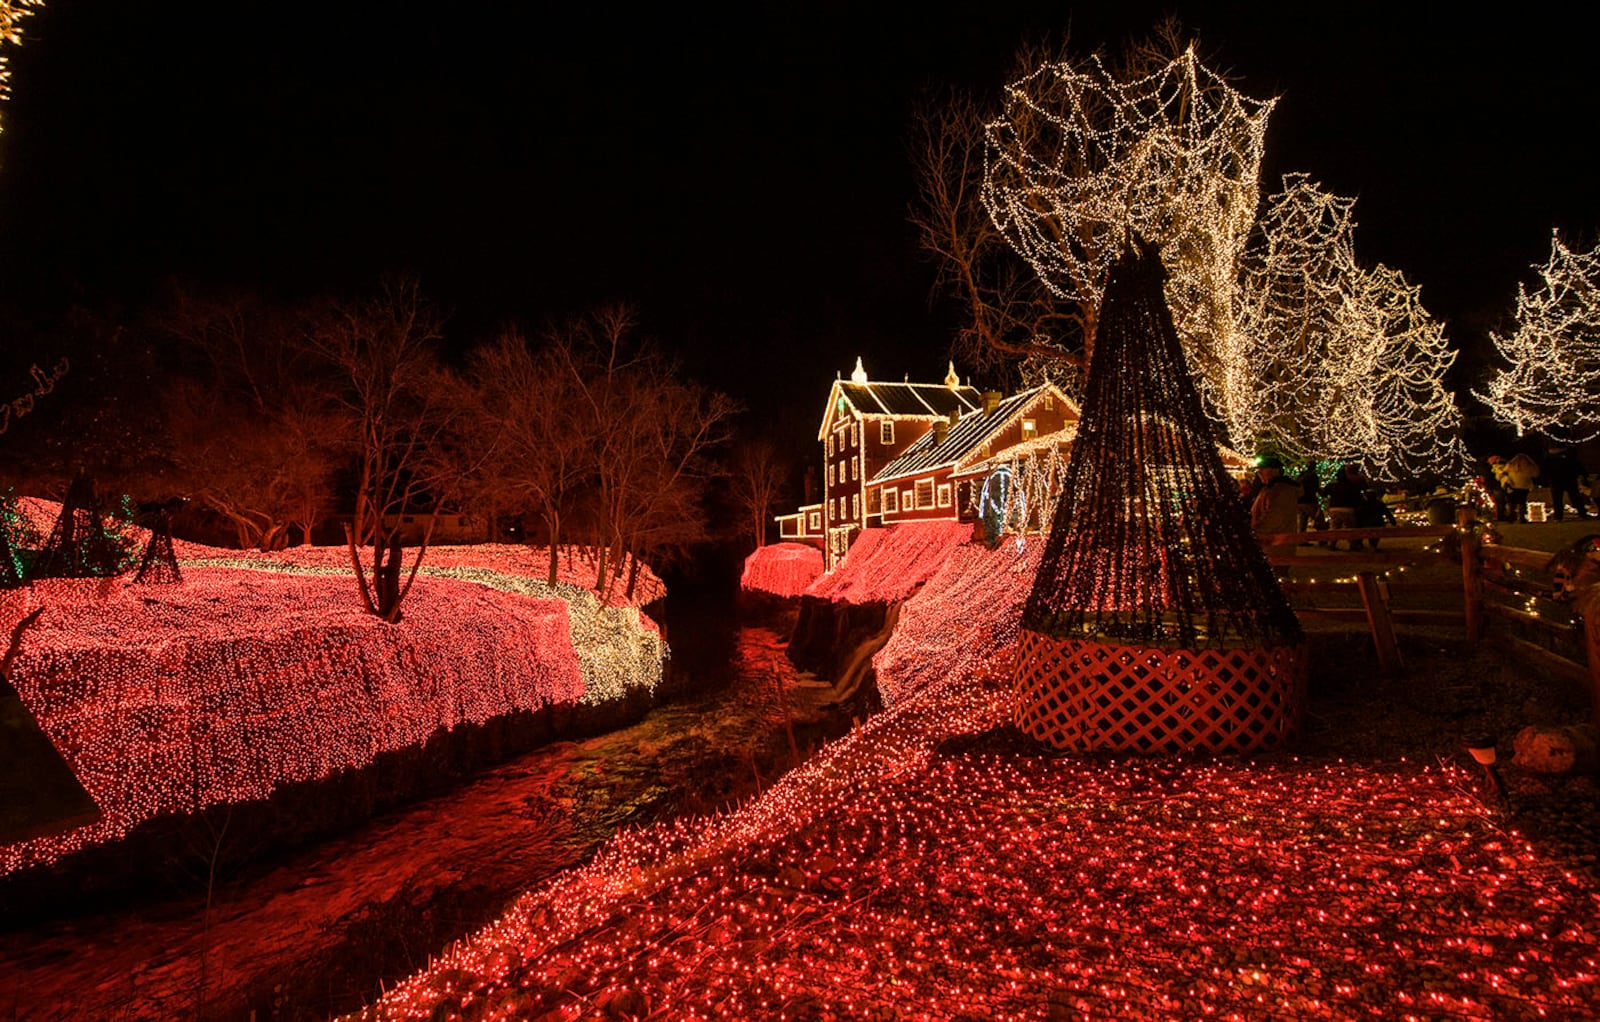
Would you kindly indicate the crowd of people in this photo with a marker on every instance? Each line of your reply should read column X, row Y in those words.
column 1302, row 503
column 1511, row 480
column 1279, row 504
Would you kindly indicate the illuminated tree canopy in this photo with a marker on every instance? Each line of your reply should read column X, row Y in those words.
column 11, row 14
column 1081, row 158
column 1347, row 363
column 1552, row 386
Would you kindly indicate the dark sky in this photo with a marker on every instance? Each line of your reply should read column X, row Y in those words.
column 738, row 175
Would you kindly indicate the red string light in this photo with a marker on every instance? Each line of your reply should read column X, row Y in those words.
column 781, row 569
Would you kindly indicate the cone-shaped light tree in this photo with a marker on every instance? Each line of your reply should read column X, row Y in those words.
column 1155, row 622
column 1552, row 385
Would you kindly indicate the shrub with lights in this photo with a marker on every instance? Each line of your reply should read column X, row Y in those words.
column 1155, row 622
column 781, row 569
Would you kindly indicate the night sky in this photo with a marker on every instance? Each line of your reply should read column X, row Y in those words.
column 740, row 176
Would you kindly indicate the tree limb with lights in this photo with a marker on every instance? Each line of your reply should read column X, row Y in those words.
column 1083, row 156
column 1347, row 363
column 1552, row 386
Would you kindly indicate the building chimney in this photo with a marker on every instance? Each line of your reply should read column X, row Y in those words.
column 941, row 432
column 991, row 402
column 955, row 416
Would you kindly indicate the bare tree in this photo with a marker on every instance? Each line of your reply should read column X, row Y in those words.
column 255, row 434
column 1007, row 314
column 759, row 479
column 652, row 434
column 397, row 398
column 532, row 427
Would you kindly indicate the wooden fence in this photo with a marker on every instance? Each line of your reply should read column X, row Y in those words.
column 1507, row 585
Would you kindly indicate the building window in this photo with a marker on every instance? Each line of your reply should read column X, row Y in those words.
column 855, row 434
column 944, row 494
column 816, row 521
column 1049, row 402
column 830, row 445
column 908, row 500
column 1030, row 429
column 855, row 507
column 924, row 493
column 874, row 501
column 891, row 501
column 830, row 474
column 886, row 431
column 853, row 464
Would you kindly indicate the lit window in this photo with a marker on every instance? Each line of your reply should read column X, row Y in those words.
column 1030, row 429
column 944, row 494
column 886, row 431
column 816, row 521
column 924, row 493
column 891, row 501
column 830, row 473
column 855, row 507
column 908, row 500
column 874, row 501
column 1049, row 402
column 855, row 434
column 853, row 464
column 830, row 445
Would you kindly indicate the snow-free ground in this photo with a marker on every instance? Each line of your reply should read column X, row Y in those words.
column 934, row 864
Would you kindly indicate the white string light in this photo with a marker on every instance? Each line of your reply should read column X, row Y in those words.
column 1081, row 160
column 1553, row 384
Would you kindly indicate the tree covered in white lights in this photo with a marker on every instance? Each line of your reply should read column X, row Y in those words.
column 1552, row 386
column 1346, row 361
column 1084, row 156
column 11, row 14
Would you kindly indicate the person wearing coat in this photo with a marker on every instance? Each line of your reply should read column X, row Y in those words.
column 1277, row 505
column 1518, row 475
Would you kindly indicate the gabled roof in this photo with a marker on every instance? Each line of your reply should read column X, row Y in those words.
column 965, row 437
column 899, row 400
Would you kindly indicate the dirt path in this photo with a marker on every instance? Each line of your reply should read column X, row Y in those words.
column 316, row 934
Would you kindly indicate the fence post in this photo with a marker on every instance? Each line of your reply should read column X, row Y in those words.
column 1379, row 620
column 1471, row 572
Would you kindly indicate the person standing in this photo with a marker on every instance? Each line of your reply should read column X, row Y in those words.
column 1310, row 504
column 1345, row 497
column 1562, row 470
column 1276, row 505
column 1520, row 472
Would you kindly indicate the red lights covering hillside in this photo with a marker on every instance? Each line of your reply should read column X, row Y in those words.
column 884, row 879
column 961, row 621
column 781, row 569
column 171, row 698
column 930, row 867
column 885, row 565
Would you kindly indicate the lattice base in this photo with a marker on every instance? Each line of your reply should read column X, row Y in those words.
column 1083, row 695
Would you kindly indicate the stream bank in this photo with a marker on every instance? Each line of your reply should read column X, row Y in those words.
column 320, row 931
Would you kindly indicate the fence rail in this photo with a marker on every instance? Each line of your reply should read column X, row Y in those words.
column 1486, row 568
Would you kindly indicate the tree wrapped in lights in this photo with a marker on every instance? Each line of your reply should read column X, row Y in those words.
column 1082, row 156
column 1155, row 621
column 1553, row 384
column 1347, row 362
column 1412, row 423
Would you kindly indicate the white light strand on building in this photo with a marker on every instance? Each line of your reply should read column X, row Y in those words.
column 1553, row 384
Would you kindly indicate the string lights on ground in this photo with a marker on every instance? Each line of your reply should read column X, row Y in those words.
column 887, row 565
column 884, row 877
